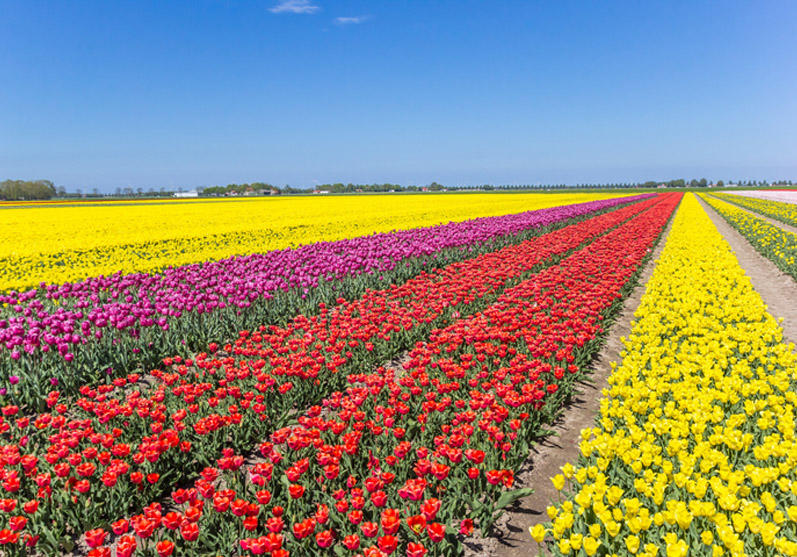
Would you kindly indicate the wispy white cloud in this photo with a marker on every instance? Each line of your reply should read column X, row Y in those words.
column 295, row 7
column 350, row 20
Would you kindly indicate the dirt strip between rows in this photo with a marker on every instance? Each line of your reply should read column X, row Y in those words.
column 511, row 536
column 770, row 220
column 776, row 288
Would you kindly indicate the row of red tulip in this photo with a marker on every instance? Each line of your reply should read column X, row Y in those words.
column 410, row 459
column 123, row 445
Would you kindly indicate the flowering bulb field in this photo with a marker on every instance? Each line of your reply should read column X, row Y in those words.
column 778, row 204
column 64, row 335
column 377, row 395
column 89, row 461
column 56, row 244
column 774, row 243
column 694, row 448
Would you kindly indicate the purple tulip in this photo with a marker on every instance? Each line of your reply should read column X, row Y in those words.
column 139, row 301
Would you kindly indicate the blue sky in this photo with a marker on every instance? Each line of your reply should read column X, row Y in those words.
column 147, row 94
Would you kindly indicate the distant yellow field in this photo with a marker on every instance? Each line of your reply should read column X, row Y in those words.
column 56, row 244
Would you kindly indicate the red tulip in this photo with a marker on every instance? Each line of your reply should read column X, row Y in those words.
column 369, row 529
column 172, row 520
column 296, row 491
column 164, row 548
column 466, row 527
column 189, row 531
column 351, row 542
column 125, row 546
column 388, row 544
column 324, row 539
column 391, row 520
column 95, row 538
column 436, row 531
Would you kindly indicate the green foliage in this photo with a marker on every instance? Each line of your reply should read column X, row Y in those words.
column 255, row 188
column 25, row 190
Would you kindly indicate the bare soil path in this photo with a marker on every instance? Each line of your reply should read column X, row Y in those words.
column 776, row 288
column 511, row 532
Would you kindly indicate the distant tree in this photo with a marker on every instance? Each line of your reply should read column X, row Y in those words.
column 720, row 184
column 24, row 190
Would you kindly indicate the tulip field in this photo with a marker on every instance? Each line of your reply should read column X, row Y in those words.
column 774, row 242
column 693, row 452
column 367, row 375
column 58, row 245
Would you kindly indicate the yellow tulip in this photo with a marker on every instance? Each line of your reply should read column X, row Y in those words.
column 591, row 545
column 632, row 543
column 537, row 532
column 65, row 243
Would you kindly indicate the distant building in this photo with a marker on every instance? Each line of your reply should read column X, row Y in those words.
column 320, row 192
column 191, row 193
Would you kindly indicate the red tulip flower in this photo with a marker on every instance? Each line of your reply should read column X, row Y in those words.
column 164, row 548
column 324, row 539
column 96, row 537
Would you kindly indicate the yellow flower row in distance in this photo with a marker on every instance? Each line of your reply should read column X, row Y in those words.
column 774, row 242
column 694, row 452
column 88, row 202
column 780, row 210
column 62, row 244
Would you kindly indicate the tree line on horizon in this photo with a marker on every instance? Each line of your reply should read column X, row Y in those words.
column 262, row 188
column 30, row 190
column 26, row 190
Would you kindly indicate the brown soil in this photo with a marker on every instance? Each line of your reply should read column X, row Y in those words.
column 776, row 288
column 511, row 536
